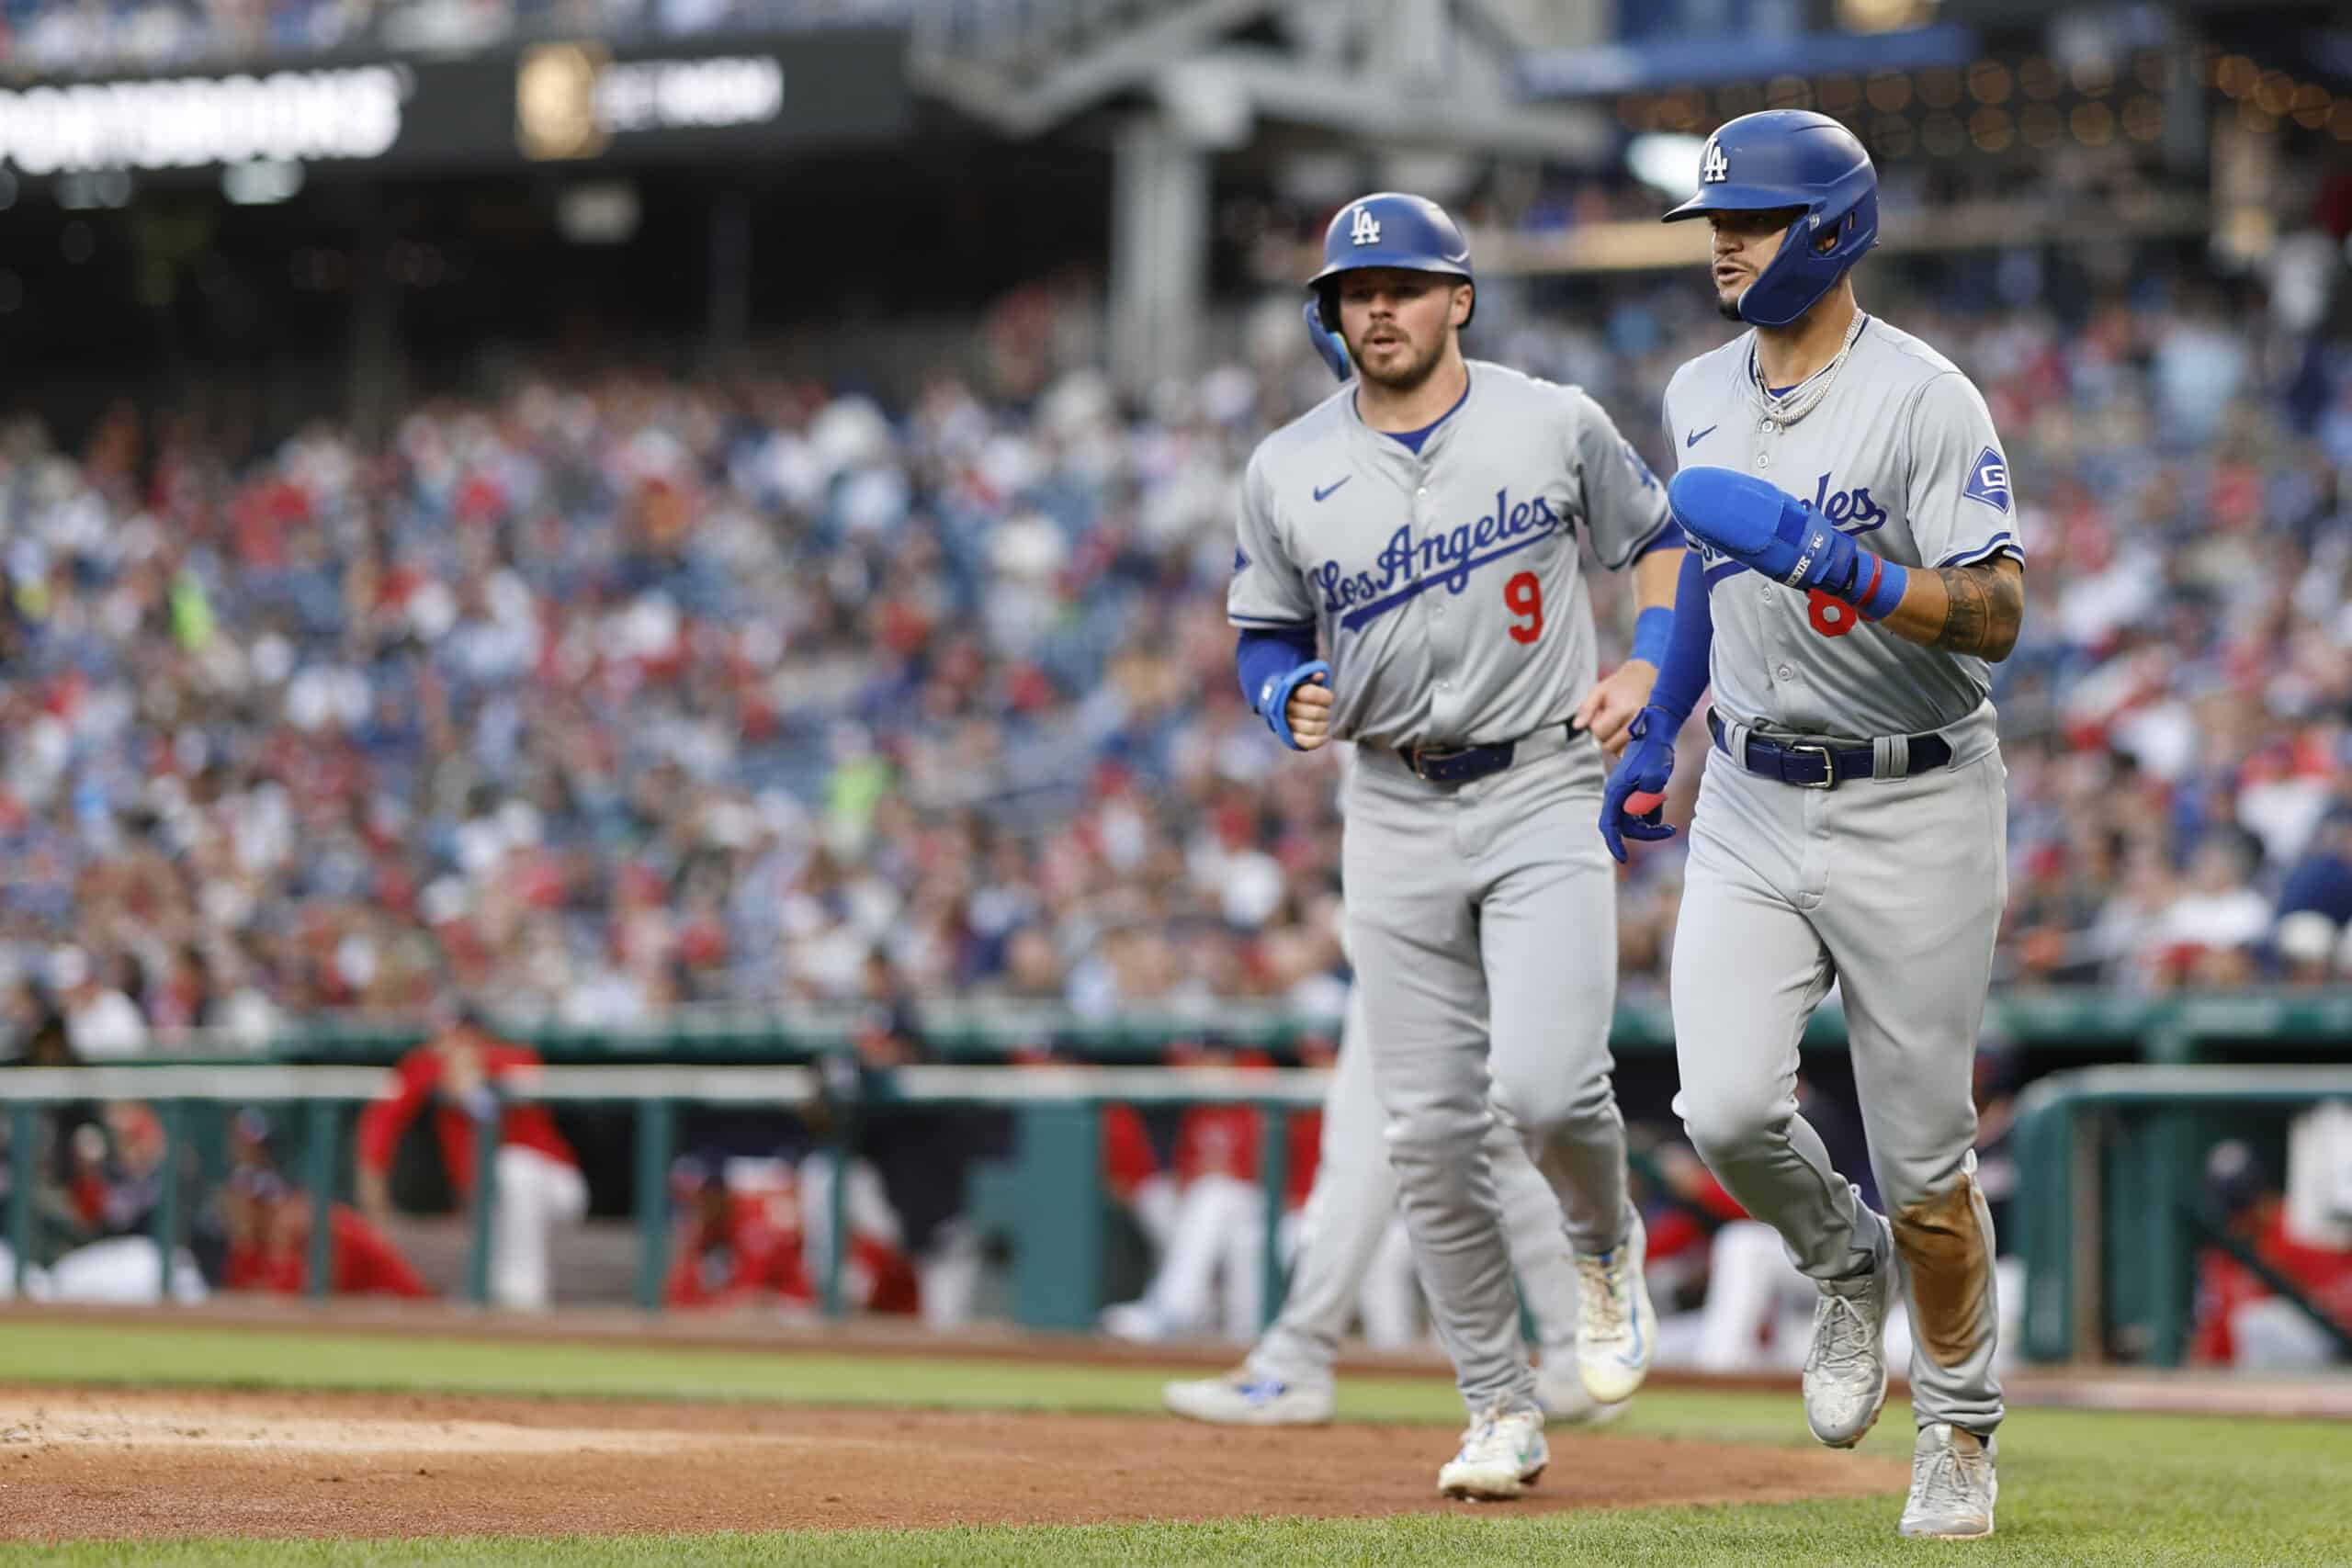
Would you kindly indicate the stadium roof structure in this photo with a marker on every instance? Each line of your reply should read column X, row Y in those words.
column 1434, row 74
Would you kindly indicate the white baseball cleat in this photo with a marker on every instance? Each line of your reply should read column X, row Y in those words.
column 1133, row 1321
column 1502, row 1454
column 1244, row 1399
column 1845, row 1366
column 1616, row 1329
column 1559, row 1389
column 1952, row 1484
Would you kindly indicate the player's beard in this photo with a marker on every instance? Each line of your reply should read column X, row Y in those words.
column 1728, row 307
column 1418, row 367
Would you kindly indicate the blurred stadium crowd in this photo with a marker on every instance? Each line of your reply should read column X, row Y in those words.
column 611, row 696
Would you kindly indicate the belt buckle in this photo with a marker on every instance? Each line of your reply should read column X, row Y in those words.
column 1417, row 756
column 1828, row 765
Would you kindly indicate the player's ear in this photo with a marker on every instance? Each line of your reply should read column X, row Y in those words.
column 1465, row 296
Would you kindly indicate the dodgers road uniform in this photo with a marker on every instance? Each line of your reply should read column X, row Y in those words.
column 1888, row 883
column 1445, row 589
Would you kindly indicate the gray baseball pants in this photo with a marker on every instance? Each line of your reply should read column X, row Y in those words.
column 1349, row 1211
column 1482, row 919
column 1892, row 888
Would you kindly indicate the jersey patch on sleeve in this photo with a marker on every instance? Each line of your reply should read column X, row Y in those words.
column 1988, row 480
column 1641, row 469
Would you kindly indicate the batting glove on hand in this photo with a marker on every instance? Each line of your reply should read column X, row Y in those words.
column 1757, row 524
column 1273, row 699
column 1633, row 805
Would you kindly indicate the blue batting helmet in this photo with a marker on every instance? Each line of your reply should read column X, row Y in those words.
column 1388, row 228
column 1792, row 158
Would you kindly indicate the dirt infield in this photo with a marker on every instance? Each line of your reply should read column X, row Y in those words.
column 81, row 1464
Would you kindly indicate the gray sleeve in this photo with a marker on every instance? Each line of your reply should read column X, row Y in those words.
column 1624, row 506
column 1960, row 505
column 1267, row 590
column 1665, row 420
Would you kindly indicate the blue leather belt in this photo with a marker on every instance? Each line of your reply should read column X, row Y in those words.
column 1814, row 765
column 1460, row 764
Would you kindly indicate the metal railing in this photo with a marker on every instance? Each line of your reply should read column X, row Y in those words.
column 2082, row 1131
column 1057, row 1157
column 2172, row 1028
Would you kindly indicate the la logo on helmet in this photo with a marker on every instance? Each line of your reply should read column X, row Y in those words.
column 1714, row 168
column 1363, row 229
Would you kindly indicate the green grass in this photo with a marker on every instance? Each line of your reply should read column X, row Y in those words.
column 2098, row 1489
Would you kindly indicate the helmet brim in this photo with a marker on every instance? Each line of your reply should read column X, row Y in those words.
column 1743, row 199
column 1434, row 266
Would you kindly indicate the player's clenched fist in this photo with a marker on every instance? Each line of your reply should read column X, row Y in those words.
column 1297, row 706
column 1310, row 713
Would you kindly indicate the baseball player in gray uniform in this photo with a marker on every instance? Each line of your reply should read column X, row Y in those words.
column 1423, row 527
column 1854, row 567
column 1286, row 1379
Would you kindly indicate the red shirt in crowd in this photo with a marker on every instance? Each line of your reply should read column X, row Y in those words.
column 1128, row 1159
column 1675, row 1230
column 2224, row 1284
column 1220, row 1138
column 758, row 1256
column 362, row 1260
column 422, row 1074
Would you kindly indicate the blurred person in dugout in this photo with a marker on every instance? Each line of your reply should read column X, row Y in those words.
column 905, row 1197
column 1206, row 1215
column 98, row 1177
column 267, row 1224
column 740, row 1235
column 2303, row 1236
column 466, row 1075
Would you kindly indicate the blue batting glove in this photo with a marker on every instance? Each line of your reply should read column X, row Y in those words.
column 1633, row 804
column 1273, row 697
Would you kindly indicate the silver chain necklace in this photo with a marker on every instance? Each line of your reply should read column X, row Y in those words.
column 1801, row 398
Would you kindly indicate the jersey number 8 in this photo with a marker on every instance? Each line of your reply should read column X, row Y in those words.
column 1524, row 595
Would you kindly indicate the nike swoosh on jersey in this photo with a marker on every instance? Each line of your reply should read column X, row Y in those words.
column 1698, row 436
column 1323, row 493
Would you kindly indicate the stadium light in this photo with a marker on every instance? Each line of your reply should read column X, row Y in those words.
column 261, row 181
column 602, row 212
column 1663, row 160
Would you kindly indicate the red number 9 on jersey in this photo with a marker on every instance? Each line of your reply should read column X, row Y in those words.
column 1524, row 595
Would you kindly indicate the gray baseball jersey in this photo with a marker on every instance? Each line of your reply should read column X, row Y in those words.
column 1446, row 588
column 1889, row 887
column 1900, row 452
column 1445, row 585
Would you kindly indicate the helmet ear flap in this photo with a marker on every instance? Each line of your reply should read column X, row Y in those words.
column 1326, row 305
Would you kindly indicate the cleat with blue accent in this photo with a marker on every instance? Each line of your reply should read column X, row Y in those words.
column 1502, row 1455
column 1616, row 1328
column 1244, row 1399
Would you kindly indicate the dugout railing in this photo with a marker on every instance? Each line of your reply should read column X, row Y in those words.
column 2110, row 1157
column 2110, row 1202
column 1052, row 1184
column 2055, row 1019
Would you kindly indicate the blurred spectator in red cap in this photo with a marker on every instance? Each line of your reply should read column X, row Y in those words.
column 468, row 1075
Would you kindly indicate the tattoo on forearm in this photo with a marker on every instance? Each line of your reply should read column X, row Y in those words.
column 1983, row 606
